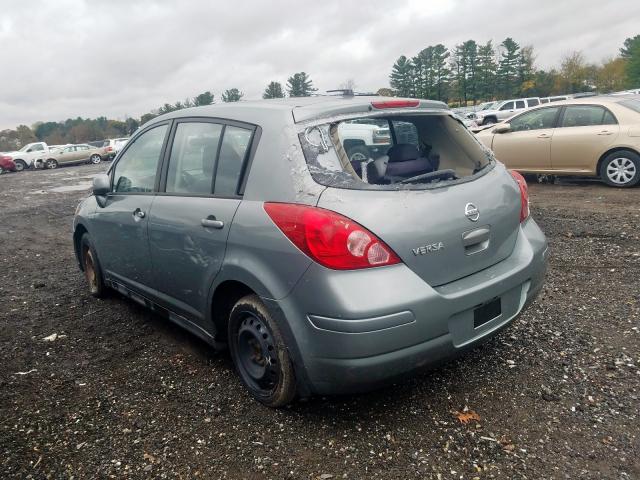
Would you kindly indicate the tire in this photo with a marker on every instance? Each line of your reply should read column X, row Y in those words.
column 489, row 121
column 2, row 170
column 20, row 165
column 51, row 164
column 95, row 159
column 359, row 153
column 259, row 354
column 91, row 267
column 621, row 169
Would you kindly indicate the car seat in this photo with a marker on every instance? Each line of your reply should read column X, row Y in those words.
column 403, row 160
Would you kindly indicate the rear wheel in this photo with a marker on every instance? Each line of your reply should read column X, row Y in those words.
column 20, row 165
column 259, row 353
column 621, row 169
column 95, row 158
column 51, row 164
column 91, row 267
column 2, row 170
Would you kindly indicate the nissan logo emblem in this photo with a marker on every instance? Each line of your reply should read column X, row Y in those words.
column 471, row 212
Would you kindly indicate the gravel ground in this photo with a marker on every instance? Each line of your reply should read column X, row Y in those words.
column 122, row 393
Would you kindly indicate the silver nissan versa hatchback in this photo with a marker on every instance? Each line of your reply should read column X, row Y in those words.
column 252, row 226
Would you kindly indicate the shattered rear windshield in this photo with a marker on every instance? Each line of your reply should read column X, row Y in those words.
column 395, row 152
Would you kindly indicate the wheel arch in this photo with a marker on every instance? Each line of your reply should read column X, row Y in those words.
column 79, row 231
column 609, row 152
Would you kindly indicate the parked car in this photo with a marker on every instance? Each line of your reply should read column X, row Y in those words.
column 246, row 224
column 557, row 98
column 595, row 136
column 363, row 138
column 505, row 109
column 114, row 145
column 69, row 154
column 482, row 107
column 6, row 164
column 28, row 155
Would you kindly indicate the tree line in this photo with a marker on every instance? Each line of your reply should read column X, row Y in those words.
column 472, row 72
column 469, row 73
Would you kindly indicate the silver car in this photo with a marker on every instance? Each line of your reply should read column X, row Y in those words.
column 247, row 224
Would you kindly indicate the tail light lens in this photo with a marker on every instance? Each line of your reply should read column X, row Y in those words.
column 5, row 157
column 109, row 149
column 329, row 238
column 524, row 194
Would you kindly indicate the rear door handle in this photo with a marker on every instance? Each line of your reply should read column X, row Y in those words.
column 544, row 135
column 606, row 132
column 211, row 222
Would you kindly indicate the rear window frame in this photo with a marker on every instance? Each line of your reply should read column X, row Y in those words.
column 364, row 186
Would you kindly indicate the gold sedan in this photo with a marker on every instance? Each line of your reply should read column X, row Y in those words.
column 593, row 136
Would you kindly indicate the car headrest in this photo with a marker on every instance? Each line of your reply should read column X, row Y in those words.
column 403, row 152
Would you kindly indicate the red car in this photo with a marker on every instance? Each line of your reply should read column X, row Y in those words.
column 6, row 164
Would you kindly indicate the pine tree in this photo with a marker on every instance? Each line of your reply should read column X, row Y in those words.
column 232, row 95
column 509, row 68
column 441, row 72
column 273, row 90
column 486, row 73
column 402, row 77
column 300, row 85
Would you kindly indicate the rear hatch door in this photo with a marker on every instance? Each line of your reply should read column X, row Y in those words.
column 436, row 232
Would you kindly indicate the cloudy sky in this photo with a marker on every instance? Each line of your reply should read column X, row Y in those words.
column 118, row 58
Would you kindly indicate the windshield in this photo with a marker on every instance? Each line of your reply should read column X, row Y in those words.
column 25, row 148
column 394, row 152
column 487, row 106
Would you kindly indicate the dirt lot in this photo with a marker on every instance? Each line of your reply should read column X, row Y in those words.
column 123, row 393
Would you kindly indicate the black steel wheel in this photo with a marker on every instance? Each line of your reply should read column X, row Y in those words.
column 259, row 353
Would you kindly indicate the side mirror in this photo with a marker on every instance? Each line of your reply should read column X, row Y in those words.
column 101, row 185
column 504, row 128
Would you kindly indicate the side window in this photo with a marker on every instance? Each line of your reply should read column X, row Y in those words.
column 193, row 158
column 582, row 116
column 507, row 106
column 520, row 104
column 235, row 144
column 533, row 102
column 136, row 169
column 535, row 120
column 609, row 119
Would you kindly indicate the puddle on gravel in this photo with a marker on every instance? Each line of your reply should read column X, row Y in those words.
column 71, row 188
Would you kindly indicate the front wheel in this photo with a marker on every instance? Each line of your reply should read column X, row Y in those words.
column 259, row 353
column 621, row 169
column 91, row 267
column 20, row 165
column 95, row 158
column 51, row 164
column 489, row 121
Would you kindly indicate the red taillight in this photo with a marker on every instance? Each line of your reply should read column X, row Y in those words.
column 395, row 104
column 5, row 158
column 524, row 194
column 109, row 149
column 329, row 238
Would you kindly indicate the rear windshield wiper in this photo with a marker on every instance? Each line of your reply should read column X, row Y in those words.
column 446, row 174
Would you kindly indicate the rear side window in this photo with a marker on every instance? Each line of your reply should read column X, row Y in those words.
column 532, row 102
column 420, row 151
column 136, row 170
column 233, row 151
column 193, row 158
column 520, row 104
column 584, row 116
column 507, row 106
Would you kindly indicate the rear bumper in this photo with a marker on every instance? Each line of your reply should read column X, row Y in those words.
column 353, row 331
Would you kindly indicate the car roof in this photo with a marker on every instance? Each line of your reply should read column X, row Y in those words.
column 301, row 108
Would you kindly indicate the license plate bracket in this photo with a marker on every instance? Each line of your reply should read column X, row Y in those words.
column 487, row 312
